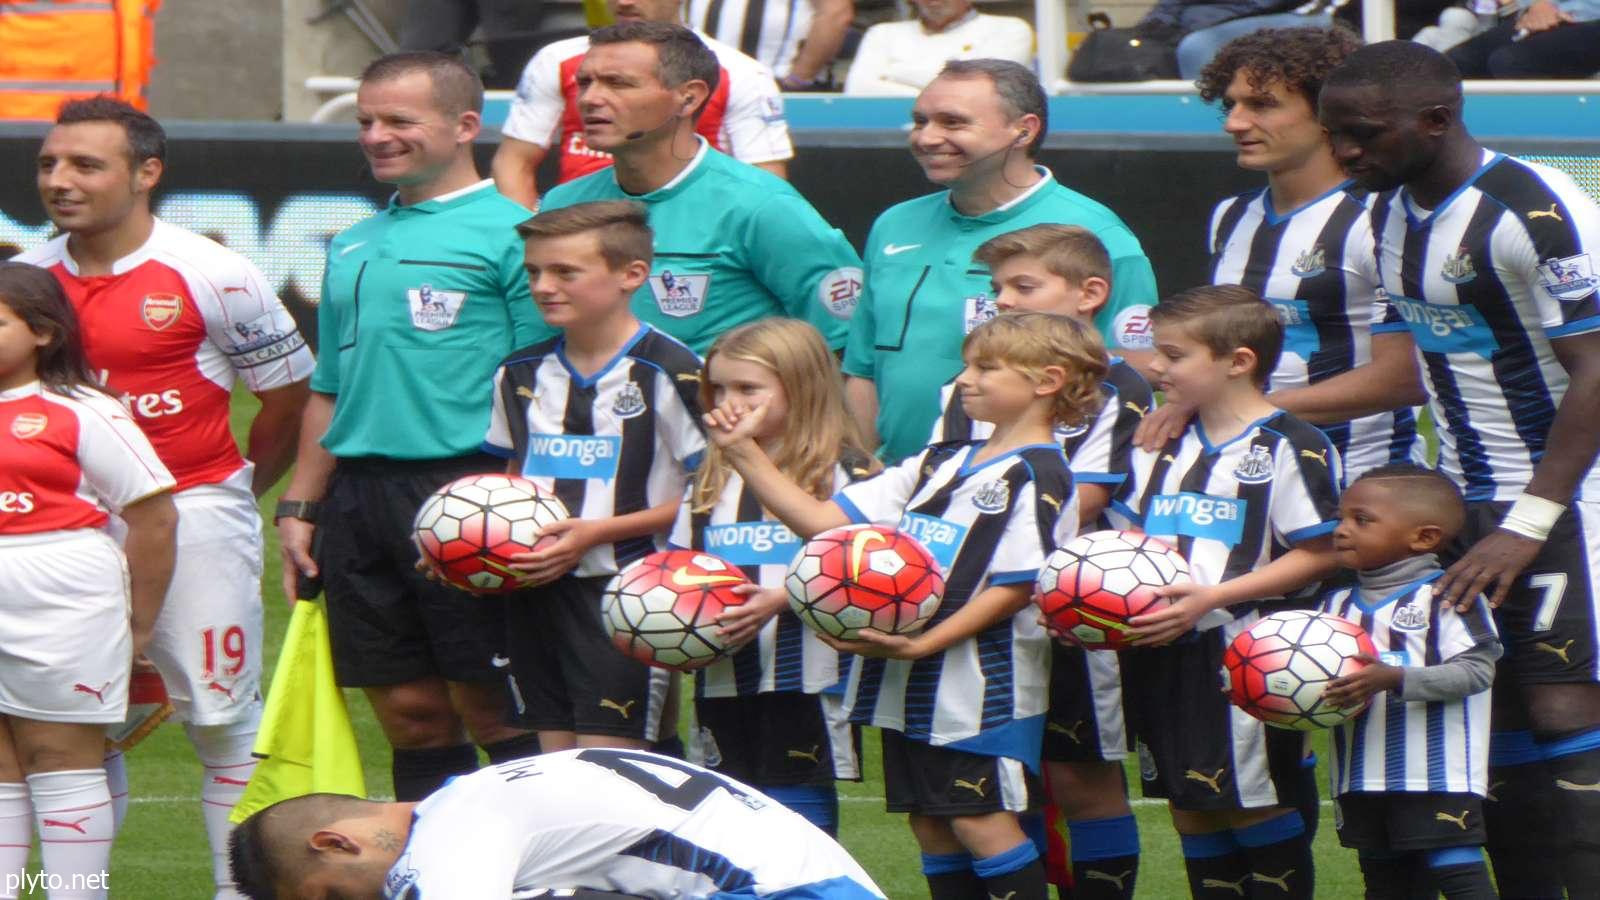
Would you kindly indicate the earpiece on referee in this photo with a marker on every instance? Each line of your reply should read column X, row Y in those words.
column 1024, row 135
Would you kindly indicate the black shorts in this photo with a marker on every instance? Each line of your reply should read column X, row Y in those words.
column 776, row 739
column 1549, row 623
column 567, row 675
column 938, row 781
column 1196, row 749
column 1084, row 723
column 1403, row 822
column 387, row 624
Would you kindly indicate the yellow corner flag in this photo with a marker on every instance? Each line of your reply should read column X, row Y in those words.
column 306, row 744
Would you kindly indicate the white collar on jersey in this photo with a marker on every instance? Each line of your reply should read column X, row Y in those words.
column 125, row 264
column 699, row 157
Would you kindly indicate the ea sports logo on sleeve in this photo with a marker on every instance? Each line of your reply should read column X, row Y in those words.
column 27, row 425
column 159, row 311
column 1131, row 328
column 840, row 290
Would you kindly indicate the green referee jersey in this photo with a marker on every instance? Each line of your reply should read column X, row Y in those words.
column 733, row 244
column 924, row 292
column 420, row 303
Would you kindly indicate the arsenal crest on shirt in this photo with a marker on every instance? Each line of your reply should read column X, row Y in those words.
column 27, row 425
column 159, row 311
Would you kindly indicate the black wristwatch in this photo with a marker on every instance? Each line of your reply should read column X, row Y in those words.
column 306, row 510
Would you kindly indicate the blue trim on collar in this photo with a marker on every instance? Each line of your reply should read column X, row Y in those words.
column 591, row 381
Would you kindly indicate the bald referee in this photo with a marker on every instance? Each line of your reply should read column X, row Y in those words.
column 419, row 303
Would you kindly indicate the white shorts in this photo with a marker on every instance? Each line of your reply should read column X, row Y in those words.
column 65, row 645
column 207, row 641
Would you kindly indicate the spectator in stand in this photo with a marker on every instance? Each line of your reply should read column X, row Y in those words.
column 1550, row 39
column 797, row 40
column 509, row 30
column 743, row 118
column 900, row 58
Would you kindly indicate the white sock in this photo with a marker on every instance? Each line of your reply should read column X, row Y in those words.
column 117, row 782
column 224, row 752
column 73, row 813
column 16, row 837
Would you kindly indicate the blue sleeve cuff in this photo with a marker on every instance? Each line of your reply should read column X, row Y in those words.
column 1126, row 510
column 1099, row 477
column 674, row 545
column 1390, row 328
column 693, row 462
column 496, row 450
column 1311, row 531
column 1579, row 326
column 850, row 509
column 1013, row 577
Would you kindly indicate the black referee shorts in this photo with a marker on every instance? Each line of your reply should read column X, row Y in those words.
column 388, row 624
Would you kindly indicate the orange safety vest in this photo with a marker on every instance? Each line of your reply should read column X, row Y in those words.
column 52, row 51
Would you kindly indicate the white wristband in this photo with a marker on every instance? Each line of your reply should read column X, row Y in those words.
column 1532, row 517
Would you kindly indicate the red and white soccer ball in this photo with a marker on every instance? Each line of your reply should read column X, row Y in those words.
column 1091, row 586
column 1278, row 669
column 470, row 527
column 857, row 577
column 662, row 610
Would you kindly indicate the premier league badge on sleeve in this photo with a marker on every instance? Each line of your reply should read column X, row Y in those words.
column 679, row 296
column 434, row 310
column 1569, row 279
column 979, row 309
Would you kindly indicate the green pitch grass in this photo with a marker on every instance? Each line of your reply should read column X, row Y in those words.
column 161, row 853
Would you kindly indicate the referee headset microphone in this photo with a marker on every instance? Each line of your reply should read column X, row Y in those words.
column 1021, row 138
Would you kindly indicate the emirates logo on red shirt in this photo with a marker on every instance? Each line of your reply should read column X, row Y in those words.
column 28, row 425
column 159, row 311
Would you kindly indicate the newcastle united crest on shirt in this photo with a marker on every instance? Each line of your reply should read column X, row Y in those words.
column 433, row 310
column 1458, row 269
column 1310, row 263
column 992, row 497
column 1256, row 466
column 629, row 401
column 1410, row 617
column 1572, row 278
column 679, row 296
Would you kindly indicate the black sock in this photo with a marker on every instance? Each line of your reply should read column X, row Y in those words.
column 1461, row 874
column 1522, row 819
column 1215, row 866
column 512, row 748
column 420, row 772
column 950, row 876
column 1279, row 858
column 1393, row 877
column 1105, row 858
column 1574, row 765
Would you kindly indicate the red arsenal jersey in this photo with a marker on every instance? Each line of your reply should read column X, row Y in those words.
column 170, row 330
column 66, row 461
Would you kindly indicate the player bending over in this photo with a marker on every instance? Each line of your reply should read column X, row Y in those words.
column 1247, row 494
column 990, row 511
column 1065, row 269
column 1409, row 774
column 597, row 819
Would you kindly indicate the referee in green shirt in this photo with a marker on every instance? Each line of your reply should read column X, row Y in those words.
column 974, row 130
column 419, row 304
column 733, row 243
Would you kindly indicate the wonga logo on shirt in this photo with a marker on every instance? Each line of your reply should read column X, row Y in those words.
column 572, row 456
column 1441, row 328
column 753, row 543
column 942, row 538
column 1299, row 333
column 1194, row 515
